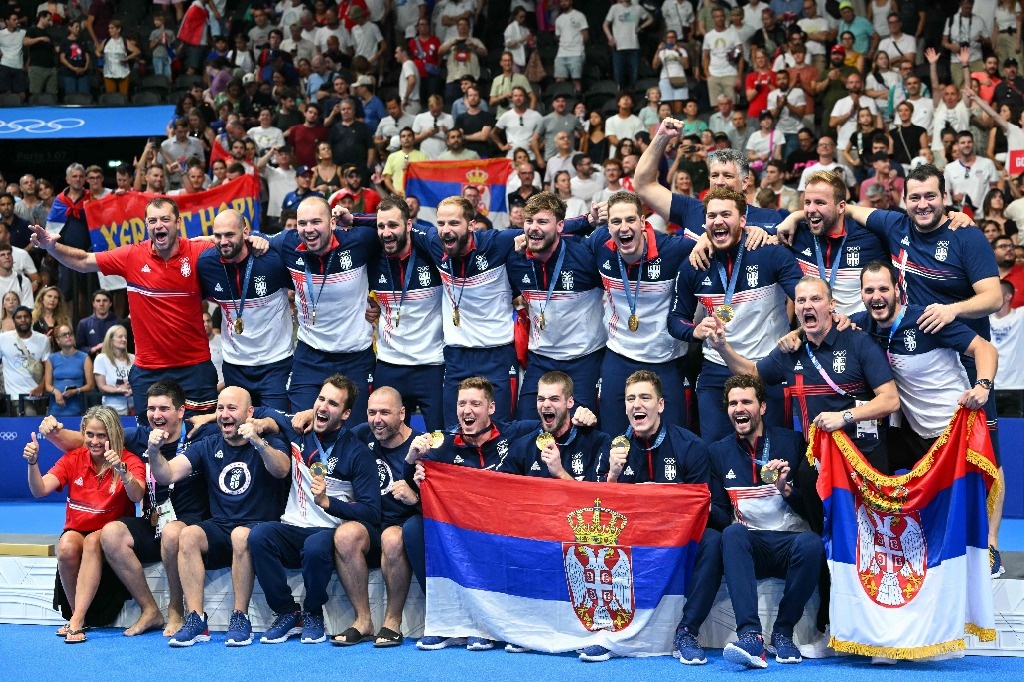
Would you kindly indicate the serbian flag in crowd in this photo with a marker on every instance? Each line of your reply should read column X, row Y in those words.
column 193, row 24
column 432, row 181
column 909, row 554
column 558, row 565
column 118, row 219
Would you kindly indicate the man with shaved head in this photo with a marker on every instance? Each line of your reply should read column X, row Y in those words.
column 252, row 292
column 246, row 479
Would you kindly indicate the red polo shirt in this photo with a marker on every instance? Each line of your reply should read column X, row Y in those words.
column 91, row 504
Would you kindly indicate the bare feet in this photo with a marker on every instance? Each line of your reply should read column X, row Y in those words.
column 145, row 623
column 174, row 623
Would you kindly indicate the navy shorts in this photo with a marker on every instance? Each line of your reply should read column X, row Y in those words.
column 311, row 366
column 497, row 364
column 267, row 384
column 419, row 388
column 145, row 543
column 218, row 541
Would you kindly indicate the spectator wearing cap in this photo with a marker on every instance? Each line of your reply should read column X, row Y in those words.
column 1011, row 90
column 462, row 53
column 303, row 181
column 501, row 86
column 364, row 199
column 558, row 121
column 398, row 162
column 373, row 108
column 865, row 40
column 280, row 179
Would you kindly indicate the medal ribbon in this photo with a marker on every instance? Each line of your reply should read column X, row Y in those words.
column 730, row 282
column 650, row 450
column 408, row 277
column 240, row 308
column 631, row 297
column 450, row 289
column 892, row 332
column 151, row 482
column 835, row 263
column 320, row 450
column 755, row 462
column 554, row 275
column 309, row 279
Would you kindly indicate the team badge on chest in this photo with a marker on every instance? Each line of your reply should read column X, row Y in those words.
column 345, row 260
column 654, row 269
column 752, row 276
column 261, row 285
column 910, row 340
column 942, row 250
column 839, row 361
column 423, row 274
column 186, row 267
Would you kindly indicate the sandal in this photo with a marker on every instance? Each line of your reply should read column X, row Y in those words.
column 74, row 633
column 387, row 637
column 63, row 630
column 351, row 637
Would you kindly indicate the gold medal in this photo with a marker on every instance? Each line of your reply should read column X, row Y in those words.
column 313, row 321
column 634, row 323
column 455, row 317
column 239, row 326
column 725, row 313
column 544, row 439
column 436, row 439
column 318, row 469
column 769, row 475
column 541, row 323
column 620, row 442
column 154, row 517
column 398, row 315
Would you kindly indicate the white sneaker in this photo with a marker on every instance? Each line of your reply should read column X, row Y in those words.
column 882, row 660
column 819, row 648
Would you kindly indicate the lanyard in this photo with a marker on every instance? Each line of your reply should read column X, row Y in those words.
column 835, row 263
column 765, row 451
column 631, row 297
column 821, row 371
column 554, row 276
column 151, row 482
column 323, row 281
column 240, row 307
column 730, row 282
column 892, row 332
column 450, row 289
column 324, row 455
column 650, row 450
column 405, row 281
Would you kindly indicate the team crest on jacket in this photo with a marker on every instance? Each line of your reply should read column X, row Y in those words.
column 345, row 259
column 598, row 571
column 853, row 256
column 752, row 276
column 384, row 477
column 423, row 273
column 670, row 468
column 910, row 340
column 567, row 280
column 261, row 285
column 331, row 463
column 186, row 267
column 481, row 262
column 942, row 250
column 891, row 556
column 235, row 478
column 839, row 361
column 654, row 269
column 577, row 463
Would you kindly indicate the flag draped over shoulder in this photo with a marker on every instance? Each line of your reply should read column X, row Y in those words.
column 558, row 565
column 118, row 219
column 909, row 554
column 432, row 181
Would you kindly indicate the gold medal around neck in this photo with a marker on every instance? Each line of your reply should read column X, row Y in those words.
column 318, row 469
column 769, row 475
column 634, row 323
column 239, row 326
column 456, row 319
column 620, row 442
column 436, row 439
column 725, row 313
column 544, row 439
column 542, row 323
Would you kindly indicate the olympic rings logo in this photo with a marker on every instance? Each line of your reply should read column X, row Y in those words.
column 8, row 435
column 38, row 126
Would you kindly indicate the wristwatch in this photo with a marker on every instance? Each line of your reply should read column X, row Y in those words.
column 122, row 467
column 847, row 417
column 985, row 383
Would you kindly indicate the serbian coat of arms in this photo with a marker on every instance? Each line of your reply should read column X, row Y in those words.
column 598, row 571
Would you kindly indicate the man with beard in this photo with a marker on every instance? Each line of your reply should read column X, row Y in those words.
column 252, row 293
column 328, row 268
column 843, row 114
column 133, row 541
column 410, row 349
column 1009, row 269
column 659, row 452
column 244, row 473
column 762, row 537
column 332, row 518
column 478, row 443
column 929, row 377
column 752, row 286
column 163, row 293
column 23, row 352
column 558, row 449
column 971, row 177
column 832, row 247
column 562, row 288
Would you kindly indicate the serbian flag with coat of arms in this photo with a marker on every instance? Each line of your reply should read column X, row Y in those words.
column 909, row 554
column 432, row 181
column 558, row 565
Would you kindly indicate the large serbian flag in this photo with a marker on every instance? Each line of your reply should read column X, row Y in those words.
column 432, row 181
column 909, row 554
column 558, row 565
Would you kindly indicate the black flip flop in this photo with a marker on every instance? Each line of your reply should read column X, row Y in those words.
column 390, row 637
column 351, row 637
column 76, row 632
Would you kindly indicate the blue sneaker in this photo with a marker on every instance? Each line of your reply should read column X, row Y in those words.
column 433, row 642
column 595, row 654
column 748, row 650
column 194, row 630
column 479, row 644
column 785, row 649
column 313, row 628
column 285, row 625
column 239, row 630
column 995, row 561
column 689, row 651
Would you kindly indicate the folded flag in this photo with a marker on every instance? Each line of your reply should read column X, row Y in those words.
column 909, row 554
column 558, row 565
column 432, row 181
